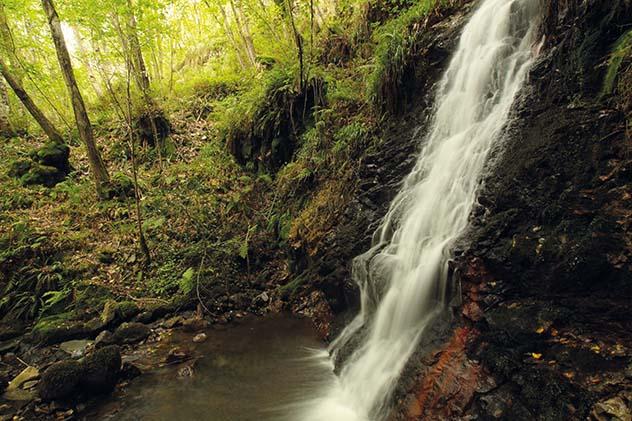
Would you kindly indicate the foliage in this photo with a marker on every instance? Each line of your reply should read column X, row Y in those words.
column 389, row 83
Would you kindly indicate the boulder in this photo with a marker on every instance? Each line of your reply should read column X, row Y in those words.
column 55, row 329
column 60, row 380
column 55, row 155
column 98, row 373
column 47, row 165
column 103, row 339
column 101, row 370
column 130, row 333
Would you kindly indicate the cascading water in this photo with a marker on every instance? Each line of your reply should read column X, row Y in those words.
column 403, row 277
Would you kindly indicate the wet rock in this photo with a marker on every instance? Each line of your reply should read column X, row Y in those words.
column 177, row 355
column 101, row 370
column 28, row 374
column 185, row 372
column 103, row 339
column 60, row 380
column 130, row 333
column 129, row 371
column 195, row 324
column 55, row 329
column 76, row 348
column 199, row 338
column 173, row 322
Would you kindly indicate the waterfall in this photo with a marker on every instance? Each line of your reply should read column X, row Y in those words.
column 403, row 277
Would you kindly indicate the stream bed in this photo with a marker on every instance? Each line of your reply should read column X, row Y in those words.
column 254, row 369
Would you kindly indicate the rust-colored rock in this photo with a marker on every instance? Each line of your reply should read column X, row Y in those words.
column 449, row 386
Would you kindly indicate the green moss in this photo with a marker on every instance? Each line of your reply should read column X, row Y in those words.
column 289, row 290
column 389, row 83
column 621, row 52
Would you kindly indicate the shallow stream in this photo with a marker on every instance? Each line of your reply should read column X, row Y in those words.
column 250, row 370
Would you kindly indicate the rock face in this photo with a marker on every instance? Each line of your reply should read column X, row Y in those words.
column 546, row 278
column 326, row 266
column 540, row 326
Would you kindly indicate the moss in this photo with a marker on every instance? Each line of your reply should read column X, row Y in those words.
column 20, row 167
column 54, row 155
column 101, row 370
column 389, row 85
column 58, row 328
column 60, row 380
column 289, row 290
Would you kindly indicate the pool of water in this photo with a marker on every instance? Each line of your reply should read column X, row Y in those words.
column 254, row 370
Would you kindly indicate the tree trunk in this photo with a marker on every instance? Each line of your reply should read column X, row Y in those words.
column 136, row 54
column 229, row 33
column 5, row 125
column 30, row 106
column 99, row 172
column 298, row 39
column 244, row 30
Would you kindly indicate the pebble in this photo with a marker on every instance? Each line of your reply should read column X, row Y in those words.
column 201, row 337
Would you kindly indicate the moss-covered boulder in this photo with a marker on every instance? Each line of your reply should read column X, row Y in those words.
column 58, row 328
column 43, row 175
column 121, row 186
column 46, row 166
column 55, row 155
column 96, row 374
column 101, row 370
column 60, row 380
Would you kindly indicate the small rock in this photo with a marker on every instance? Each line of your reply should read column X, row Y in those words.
column 177, row 355
column 199, row 338
column 104, row 338
column 129, row 371
column 28, row 374
column 173, row 322
column 195, row 324
column 186, row 371
column 76, row 348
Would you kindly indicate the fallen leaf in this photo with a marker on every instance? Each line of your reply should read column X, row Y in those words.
column 539, row 330
column 536, row 356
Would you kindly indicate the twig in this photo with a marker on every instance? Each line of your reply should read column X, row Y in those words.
column 197, row 286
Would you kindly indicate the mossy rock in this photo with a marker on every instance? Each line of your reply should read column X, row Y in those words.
column 20, row 167
column 60, row 380
column 43, row 175
column 115, row 313
column 121, row 187
column 101, row 370
column 130, row 333
column 98, row 373
column 126, row 310
column 53, row 154
column 58, row 328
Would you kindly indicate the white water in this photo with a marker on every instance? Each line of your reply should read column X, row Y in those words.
column 403, row 277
